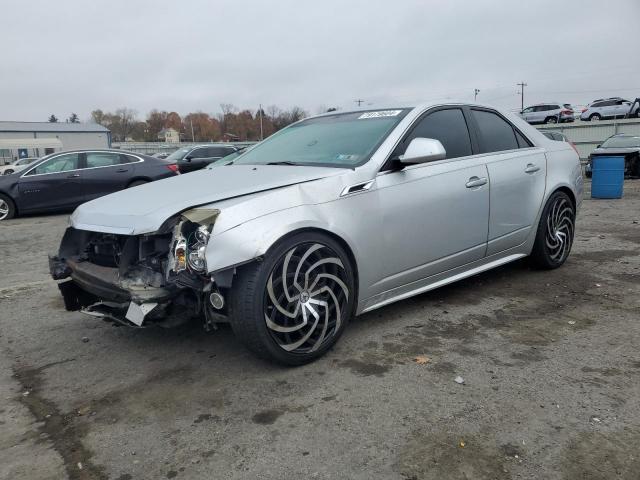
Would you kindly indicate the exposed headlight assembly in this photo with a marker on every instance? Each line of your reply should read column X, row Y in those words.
column 190, row 237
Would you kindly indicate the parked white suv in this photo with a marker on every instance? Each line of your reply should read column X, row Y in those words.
column 604, row 108
column 548, row 113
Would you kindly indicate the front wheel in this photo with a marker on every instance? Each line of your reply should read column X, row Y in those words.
column 594, row 118
column 7, row 208
column 294, row 305
column 555, row 232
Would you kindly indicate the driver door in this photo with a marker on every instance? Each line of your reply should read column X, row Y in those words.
column 435, row 215
column 54, row 184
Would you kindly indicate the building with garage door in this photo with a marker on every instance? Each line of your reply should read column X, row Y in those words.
column 36, row 139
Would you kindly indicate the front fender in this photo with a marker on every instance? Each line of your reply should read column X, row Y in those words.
column 253, row 239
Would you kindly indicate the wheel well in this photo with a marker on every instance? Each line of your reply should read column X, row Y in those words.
column 335, row 237
column 569, row 193
column 138, row 179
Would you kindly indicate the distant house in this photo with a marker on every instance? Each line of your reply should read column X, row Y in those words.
column 35, row 139
column 169, row 135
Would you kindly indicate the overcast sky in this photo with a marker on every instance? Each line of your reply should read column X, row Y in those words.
column 77, row 55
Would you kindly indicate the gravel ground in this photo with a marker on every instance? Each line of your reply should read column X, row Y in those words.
column 550, row 363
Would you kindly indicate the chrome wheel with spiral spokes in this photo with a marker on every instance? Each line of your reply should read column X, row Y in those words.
column 306, row 298
column 560, row 228
column 556, row 228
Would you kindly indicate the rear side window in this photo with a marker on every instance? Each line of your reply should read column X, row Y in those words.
column 496, row 134
column 522, row 142
column 448, row 126
column 102, row 159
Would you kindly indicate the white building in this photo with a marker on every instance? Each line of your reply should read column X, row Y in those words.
column 36, row 139
column 169, row 135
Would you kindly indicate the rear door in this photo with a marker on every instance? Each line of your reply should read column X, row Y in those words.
column 106, row 172
column 55, row 183
column 517, row 172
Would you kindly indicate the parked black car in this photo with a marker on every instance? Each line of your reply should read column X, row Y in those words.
column 64, row 180
column 196, row 157
column 620, row 145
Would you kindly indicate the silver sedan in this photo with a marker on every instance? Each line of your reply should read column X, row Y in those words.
column 331, row 217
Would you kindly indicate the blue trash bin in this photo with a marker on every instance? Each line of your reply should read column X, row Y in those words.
column 607, row 178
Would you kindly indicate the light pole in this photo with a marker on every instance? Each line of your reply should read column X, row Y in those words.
column 521, row 85
column 475, row 94
column 261, row 131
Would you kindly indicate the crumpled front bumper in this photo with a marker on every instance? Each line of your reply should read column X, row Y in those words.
column 97, row 291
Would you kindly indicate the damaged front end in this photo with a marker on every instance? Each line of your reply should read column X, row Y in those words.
column 142, row 280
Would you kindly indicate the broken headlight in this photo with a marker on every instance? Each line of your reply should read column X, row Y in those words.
column 196, row 257
column 191, row 235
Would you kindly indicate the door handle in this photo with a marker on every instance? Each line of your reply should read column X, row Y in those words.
column 121, row 170
column 531, row 168
column 476, row 182
column 73, row 175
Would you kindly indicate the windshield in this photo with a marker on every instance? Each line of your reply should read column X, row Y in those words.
column 341, row 140
column 621, row 142
column 178, row 154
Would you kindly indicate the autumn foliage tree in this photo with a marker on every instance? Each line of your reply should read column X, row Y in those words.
column 230, row 124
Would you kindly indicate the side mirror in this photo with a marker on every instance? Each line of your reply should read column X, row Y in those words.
column 188, row 157
column 422, row 150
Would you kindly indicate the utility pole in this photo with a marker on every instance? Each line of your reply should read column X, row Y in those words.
column 359, row 102
column 261, row 134
column 193, row 137
column 521, row 85
column 475, row 94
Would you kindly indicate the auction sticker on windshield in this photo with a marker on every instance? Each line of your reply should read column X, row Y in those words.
column 379, row 114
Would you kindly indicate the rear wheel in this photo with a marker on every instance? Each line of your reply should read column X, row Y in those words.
column 595, row 117
column 7, row 208
column 555, row 232
column 294, row 305
column 551, row 120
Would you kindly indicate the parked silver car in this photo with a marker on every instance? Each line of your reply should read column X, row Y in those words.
column 331, row 217
column 607, row 108
column 548, row 113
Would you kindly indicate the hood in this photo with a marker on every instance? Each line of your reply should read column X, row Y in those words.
column 615, row 150
column 144, row 209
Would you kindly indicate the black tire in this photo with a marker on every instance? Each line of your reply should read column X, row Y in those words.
column 8, row 171
column 135, row 183
column 551, row 120
column 263, row 301
column 7, row 208
column 595, row 117
column 555, row 233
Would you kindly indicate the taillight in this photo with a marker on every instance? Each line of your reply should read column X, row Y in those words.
column 174, row 168
column 566, row 112
column 574, row 147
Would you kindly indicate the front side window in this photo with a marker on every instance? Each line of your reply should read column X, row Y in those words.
column 199, row 153
column 178, row 154
column 344, row 140
column 102, row 159
column 62, row 163
column 496, row 134
column 448, row 126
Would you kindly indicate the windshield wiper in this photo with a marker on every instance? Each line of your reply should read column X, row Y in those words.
column 284, row 162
